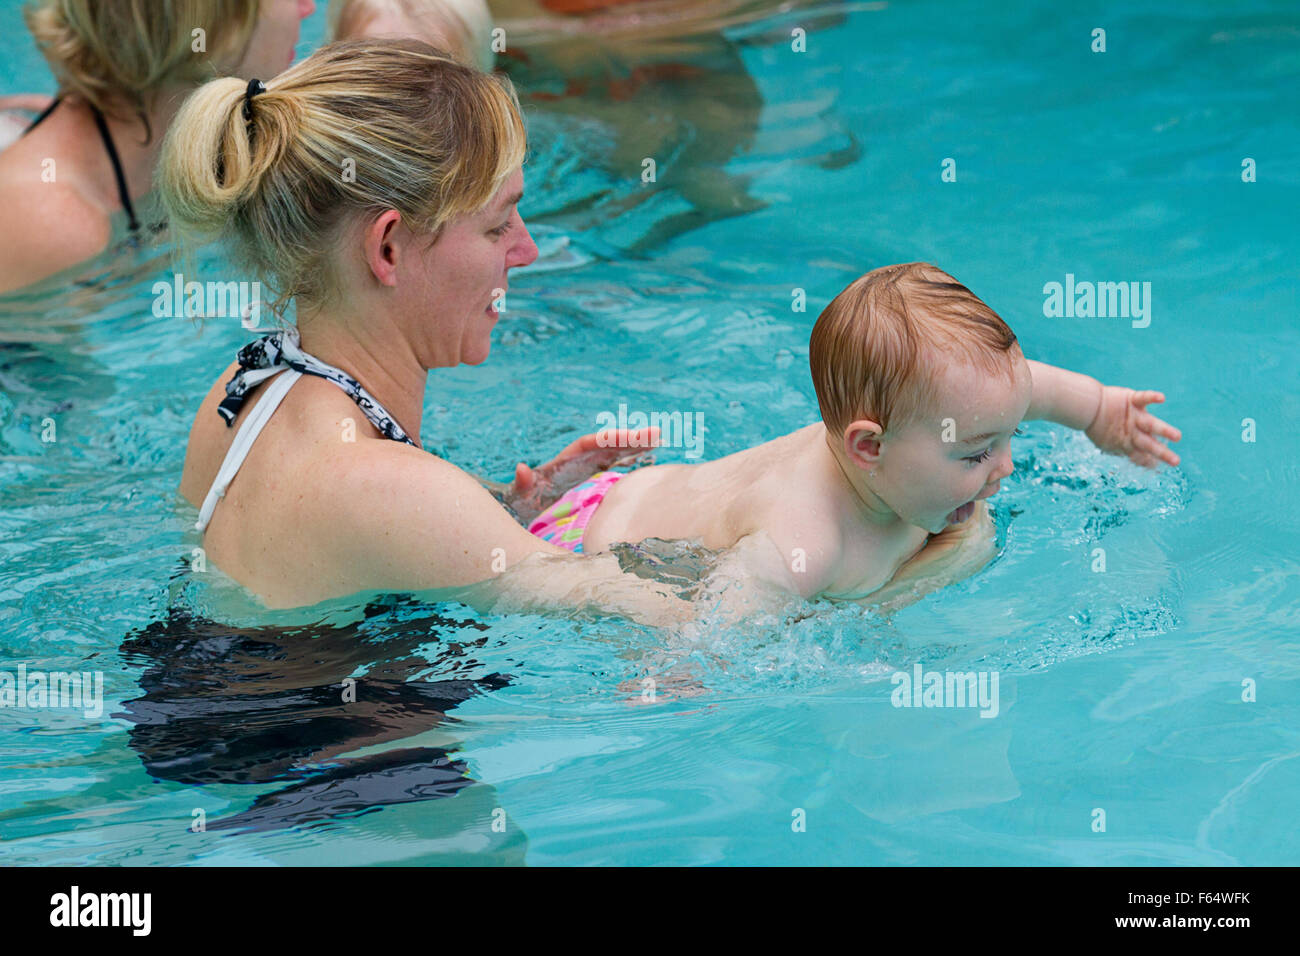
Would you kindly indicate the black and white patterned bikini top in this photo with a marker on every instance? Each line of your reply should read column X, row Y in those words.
column 272, row 354
column 279, row 354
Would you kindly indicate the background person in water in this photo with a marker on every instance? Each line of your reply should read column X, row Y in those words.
column 664, row 80
column 123, row 68
column 461, row 27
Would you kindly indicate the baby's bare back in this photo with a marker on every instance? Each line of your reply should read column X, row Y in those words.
column 715, row 502
column 784, row 496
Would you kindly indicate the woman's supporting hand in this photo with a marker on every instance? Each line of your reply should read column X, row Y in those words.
column 954, row 554
column 1123, row 426
column 595, row 585
column 536, row 489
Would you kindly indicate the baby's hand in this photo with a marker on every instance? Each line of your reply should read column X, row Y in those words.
column 1123, row 426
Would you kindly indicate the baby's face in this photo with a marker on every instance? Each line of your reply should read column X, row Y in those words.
column 931, row 482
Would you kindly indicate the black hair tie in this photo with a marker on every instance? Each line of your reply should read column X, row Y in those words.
column 254, row 87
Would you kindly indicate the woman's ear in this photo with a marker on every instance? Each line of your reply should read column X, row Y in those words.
column 383, row 243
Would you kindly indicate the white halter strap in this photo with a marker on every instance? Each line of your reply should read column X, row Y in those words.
column 245, row 437
column 280, row 353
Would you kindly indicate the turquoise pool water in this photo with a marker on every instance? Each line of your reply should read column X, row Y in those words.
column 525, row 739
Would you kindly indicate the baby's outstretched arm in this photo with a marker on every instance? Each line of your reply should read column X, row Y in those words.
column 1113, row 417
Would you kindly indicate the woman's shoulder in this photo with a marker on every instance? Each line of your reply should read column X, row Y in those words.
column 51, row 224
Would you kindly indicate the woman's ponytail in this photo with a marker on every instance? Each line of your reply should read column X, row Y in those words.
column 220, row 149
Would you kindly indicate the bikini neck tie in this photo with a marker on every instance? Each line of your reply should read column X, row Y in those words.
column 272, row 354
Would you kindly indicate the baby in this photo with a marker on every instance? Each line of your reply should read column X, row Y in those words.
column 461, row 27
column 921, row 386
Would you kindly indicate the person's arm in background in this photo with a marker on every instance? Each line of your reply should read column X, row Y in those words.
column 32, row 102
column 1113, row 417
column 14, row 118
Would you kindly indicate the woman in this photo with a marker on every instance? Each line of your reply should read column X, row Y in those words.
column 123, row 68
column 374, row 185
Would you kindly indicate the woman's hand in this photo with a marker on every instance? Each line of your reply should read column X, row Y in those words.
column 536, row 489
column 1123, row 426
column 953, row 555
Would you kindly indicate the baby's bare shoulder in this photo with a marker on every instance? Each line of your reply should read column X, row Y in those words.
column 807, row 536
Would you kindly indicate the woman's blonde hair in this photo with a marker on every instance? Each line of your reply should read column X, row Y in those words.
column 875, row 351
column 118, row 52
column 358, row 127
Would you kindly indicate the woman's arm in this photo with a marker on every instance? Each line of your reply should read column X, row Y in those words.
column 596, row 585
column 536, row 489
column 426, row 525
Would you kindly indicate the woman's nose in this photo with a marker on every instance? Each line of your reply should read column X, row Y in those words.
column 524, row 251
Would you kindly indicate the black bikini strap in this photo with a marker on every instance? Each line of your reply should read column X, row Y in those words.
column 44, row 113
column 122, row 191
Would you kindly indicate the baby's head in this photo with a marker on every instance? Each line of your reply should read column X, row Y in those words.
column 921, row 386
column 461, row 27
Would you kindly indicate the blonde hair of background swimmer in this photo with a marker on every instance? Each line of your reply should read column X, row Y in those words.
column 875, row 351
column 429, row 137
column 107, row 51
column 469, row 23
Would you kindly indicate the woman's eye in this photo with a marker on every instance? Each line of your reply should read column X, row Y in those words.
column 500, row 230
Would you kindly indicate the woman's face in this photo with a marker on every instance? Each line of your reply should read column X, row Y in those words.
column 465, row 272
column 271, row 47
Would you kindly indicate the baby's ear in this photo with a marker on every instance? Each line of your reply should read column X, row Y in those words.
column 861, row 444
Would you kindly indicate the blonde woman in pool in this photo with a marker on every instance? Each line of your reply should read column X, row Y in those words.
column 305, row 459
column 921, row 386
column 123, row 68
